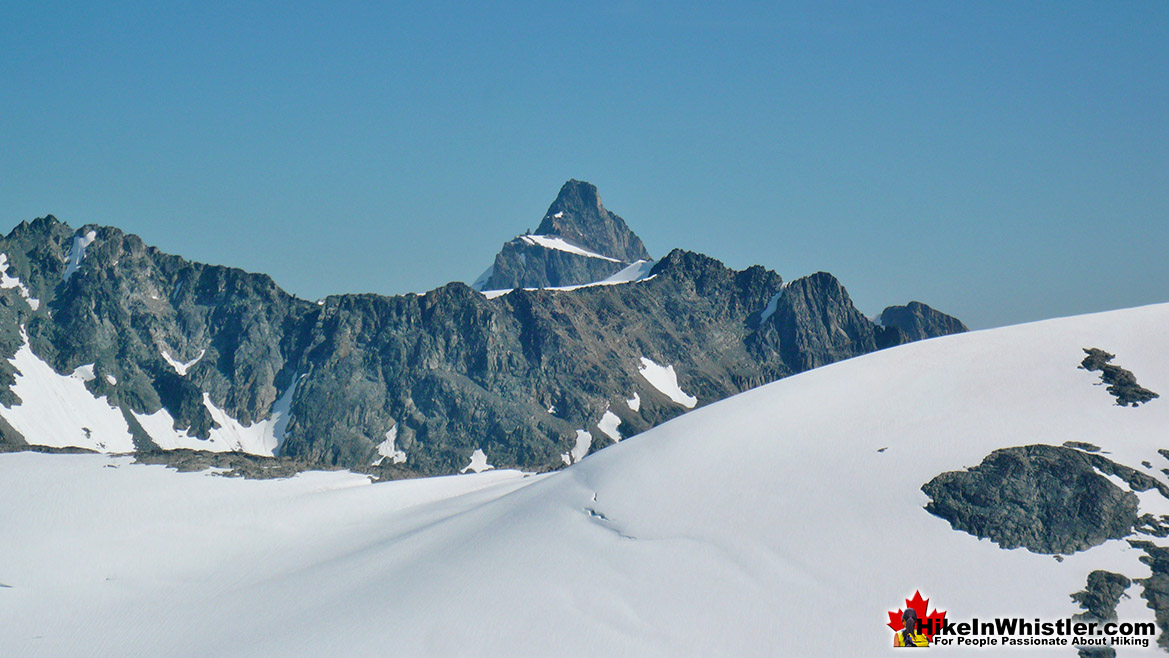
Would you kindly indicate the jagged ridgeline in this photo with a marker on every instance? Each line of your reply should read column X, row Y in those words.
column 109, row 344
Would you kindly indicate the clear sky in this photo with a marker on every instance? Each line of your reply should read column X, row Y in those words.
column 1003, row 162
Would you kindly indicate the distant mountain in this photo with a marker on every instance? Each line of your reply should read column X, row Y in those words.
column 577, row 242
column 111, row 345
column 916, row 321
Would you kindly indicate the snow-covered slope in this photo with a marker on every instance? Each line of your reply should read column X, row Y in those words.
column 784, row 521
column 59, row 411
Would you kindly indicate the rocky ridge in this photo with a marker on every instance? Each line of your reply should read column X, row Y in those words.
column 415, row 384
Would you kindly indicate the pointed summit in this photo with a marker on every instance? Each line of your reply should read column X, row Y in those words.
column 577, row 215
column 577, row 242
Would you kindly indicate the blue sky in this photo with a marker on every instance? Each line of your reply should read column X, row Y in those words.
column 1003, row 162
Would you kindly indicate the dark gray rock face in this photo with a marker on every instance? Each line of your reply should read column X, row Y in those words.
column 1099, row 599
column 1155, row 588
column 1045, row 498
column 1122, row 384
column 578, row 218
column 446, row 373
column 127, row 303
column 916, row 321
column 1101, row 594
column 815, row 323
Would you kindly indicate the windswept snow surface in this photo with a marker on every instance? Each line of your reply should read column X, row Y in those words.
column 634, row 402
column 57, row 410
column 179, row 366
column 637, row 271
column 560, row 244
column 665, row 380
column 767, row 524
column 7, row 281
column 77, row 253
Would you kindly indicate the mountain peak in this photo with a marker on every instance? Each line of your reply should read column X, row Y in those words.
column 579, row 216
column 577, row 242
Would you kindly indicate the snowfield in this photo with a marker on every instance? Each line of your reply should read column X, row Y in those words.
column 783, row 521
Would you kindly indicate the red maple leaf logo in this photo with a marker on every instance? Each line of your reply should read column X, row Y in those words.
column 919, row 606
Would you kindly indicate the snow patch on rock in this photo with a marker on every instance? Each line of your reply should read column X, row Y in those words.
column 387, row 449
column 584, row 441
column 7, row 281
column 57, row 410
column 478, row 462
column 665, row 380
column 772, row 304
column 179, row 366
column 77, row 253
column 609, row 424
column 262, row 438
column 634, row 402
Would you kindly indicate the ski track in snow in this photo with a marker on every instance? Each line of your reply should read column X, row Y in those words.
column 721, row 532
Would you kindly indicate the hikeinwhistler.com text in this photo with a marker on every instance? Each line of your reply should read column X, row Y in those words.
column 1018, row 632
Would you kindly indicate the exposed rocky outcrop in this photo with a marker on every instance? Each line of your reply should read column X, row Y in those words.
column 1101, row 594
column 1122, row 384
column 916, row 321
column 1098, row 599
column 1048, row 499
column 1155, row 588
